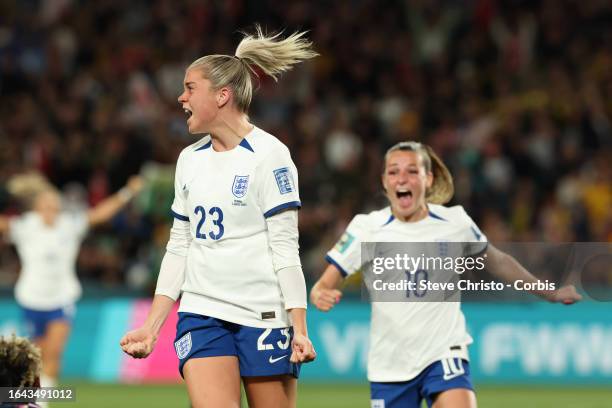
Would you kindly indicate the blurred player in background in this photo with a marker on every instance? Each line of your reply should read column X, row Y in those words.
column 418, row 350
column 233, row 247
column 47, row 242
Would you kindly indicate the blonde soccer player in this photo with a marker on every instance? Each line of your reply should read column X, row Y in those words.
column 418, row 350
column 233, row 247
column 47, row 241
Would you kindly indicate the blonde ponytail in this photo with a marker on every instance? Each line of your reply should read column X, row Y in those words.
column 270, row 53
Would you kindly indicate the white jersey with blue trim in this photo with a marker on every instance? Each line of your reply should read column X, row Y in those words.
column 48, row 255
column 406, row 337
column 226, row 198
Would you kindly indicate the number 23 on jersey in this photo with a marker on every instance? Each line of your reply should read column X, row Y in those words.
column 214, row 231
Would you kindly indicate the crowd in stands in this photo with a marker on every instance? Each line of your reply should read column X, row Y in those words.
column 515, row 96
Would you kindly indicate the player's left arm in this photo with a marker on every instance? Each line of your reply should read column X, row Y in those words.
column 302, row 350
column 283, row 239
column 109, row 207
column 508, row 269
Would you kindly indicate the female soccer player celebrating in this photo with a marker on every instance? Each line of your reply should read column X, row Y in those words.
column 233, row 247
column 47, row 242
column 418, row 350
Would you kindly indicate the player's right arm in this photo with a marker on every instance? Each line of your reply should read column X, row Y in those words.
column 140, row 343
column 344, row 259
column 326, row 291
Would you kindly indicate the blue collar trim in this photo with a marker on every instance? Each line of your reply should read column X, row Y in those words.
column 244, row 143
column 391, row 218
column 437, row 217
column 206, row 146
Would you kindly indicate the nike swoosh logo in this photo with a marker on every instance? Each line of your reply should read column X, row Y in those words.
column 447, row 377
column 274, row 360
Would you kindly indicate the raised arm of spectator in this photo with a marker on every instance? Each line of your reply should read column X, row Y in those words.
column 109, row 207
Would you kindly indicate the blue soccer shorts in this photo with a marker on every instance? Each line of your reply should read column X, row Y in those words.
column 260, row 352
column 443, row 375
column 37, row 321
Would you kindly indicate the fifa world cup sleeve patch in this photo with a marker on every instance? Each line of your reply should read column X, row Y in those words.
column 345, row 241
column 284, row 180
column 183, row 346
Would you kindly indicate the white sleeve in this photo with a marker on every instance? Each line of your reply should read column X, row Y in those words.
column 172, row 269
column 475, row 241
column 179, row 205
column 79, row 223
column 180, row 238
column 279, row 183
column 283, row 240
column 293, row 287
column 171, row 276
column 346, row 254
column 16, row 230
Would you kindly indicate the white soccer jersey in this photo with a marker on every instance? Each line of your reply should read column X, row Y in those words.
column 226, row 198
column 405, row 337
column 48, row 256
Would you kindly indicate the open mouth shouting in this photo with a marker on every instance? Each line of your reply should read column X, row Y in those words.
column 188, row 113
column 404, row 197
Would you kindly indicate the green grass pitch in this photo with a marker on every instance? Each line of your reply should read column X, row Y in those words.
column 337, row 396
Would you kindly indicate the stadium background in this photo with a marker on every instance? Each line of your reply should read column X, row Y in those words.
column 516, row 97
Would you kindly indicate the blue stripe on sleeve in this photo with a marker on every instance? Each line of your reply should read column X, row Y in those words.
column 279, row 208
column 179, row 216
column 337, row 265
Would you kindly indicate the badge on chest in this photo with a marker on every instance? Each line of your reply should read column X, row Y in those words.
column 239, row 189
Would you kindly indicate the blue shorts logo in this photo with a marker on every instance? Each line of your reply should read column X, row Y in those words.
column 377, row 403
column 240, row 186
column 284, row 180
column 183, row 346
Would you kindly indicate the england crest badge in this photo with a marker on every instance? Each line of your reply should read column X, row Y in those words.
column 240, row 186
column 284, row 180
column 183, row 346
